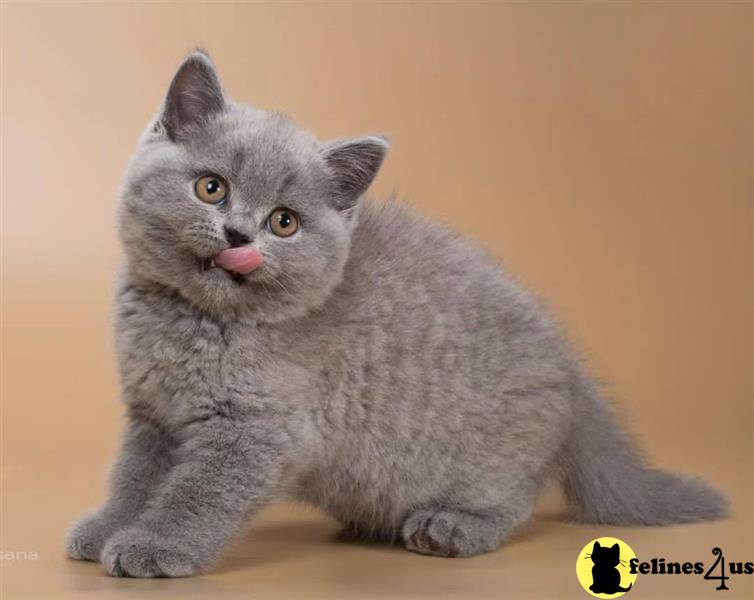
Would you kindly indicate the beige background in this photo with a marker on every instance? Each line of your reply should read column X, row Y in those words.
column 602, row 151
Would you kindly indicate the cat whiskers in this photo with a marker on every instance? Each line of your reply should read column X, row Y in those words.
column 280, row 285
column 266, row 290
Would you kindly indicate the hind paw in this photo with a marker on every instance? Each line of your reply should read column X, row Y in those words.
column 448, row 533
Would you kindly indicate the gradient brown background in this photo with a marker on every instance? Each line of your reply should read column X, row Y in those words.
column 602, row 151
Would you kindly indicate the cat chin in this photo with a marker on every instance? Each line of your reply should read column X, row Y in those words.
column 249, row 298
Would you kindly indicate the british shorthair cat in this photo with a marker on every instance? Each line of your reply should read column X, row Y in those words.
column 280, row 336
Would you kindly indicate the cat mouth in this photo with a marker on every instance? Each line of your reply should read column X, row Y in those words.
column 205, row 264
column 208, row 265
column 237, row 262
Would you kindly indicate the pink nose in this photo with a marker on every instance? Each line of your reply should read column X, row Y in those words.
column 243, row 259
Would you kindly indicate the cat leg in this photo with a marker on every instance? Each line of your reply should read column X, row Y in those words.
column 224, row 472
column 143, row 461
column 455, row 532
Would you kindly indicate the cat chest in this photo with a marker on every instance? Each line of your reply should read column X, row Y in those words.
column 185, row 366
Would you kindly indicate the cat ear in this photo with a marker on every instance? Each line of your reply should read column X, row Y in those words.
column 353, row 166
column 596, row 547
column 194, row 95
column 615, row 547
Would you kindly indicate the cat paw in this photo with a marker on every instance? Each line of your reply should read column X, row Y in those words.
column 448, row 533
column 138, row 552
column 88, row 536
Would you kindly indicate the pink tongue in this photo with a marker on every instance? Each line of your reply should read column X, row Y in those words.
column 243, row 259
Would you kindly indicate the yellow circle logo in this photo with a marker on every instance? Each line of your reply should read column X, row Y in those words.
column 603, row 567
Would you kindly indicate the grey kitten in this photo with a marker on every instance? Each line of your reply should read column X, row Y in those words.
column 278, row 337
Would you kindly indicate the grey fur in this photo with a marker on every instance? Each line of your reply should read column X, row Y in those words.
column 376, row 365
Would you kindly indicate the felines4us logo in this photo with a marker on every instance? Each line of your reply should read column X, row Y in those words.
column 608, row 568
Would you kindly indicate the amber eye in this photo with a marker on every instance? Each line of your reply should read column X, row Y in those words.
column 211, row 189
column 283, row 222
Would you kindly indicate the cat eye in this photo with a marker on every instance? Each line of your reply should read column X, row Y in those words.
column 211, row 189
column 283, row 222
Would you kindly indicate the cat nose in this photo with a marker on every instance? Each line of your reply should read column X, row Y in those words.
column 236, row 238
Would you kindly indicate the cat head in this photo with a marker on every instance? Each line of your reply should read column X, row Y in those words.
column 603, row 555
column 237, row 209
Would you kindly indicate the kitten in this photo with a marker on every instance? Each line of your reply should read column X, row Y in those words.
column 280, row 337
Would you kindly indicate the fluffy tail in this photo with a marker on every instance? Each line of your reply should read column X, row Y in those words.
column 606, row 482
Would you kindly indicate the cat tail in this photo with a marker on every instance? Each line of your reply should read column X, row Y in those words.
column 606, row 481
column 628, row 589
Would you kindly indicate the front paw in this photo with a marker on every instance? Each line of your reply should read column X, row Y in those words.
column 88, row 536
column 138, row 552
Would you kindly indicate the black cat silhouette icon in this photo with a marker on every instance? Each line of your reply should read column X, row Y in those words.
column 602, row 568
column 605, row 576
